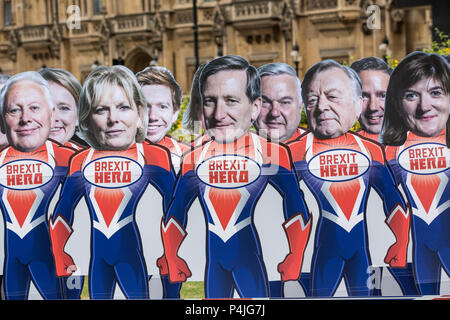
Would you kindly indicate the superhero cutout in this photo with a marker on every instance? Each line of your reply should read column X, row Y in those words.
column 278, row 120
column 421, row 167
column 32, row 169
column 112, row 176
column 341, row 172
column 65, row 91
column 417, row 107
column 375, row 74
column 28, row 182
column 228, row 179
column 176, row 149
column 403, row 276
column 112, row 183
column 368, row 135
column 159, row 286
column 163, row 96
column 274, row 243
column 74, row 145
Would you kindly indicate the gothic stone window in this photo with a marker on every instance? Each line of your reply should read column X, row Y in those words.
column 7, row 11
column 97, row 7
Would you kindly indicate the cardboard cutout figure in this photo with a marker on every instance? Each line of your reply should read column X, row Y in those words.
column 278, row 121
column 163, row 95
column 415, row 131
column 340, row 168
column 374, row 74
column 228, row 173
column 112, row 175
column 65, row 92
column 31, row 169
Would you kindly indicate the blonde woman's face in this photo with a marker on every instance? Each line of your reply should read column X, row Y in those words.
column 115, row 120
column 66, row 114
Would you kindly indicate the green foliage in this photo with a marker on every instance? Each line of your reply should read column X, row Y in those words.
column 356, row 126
column 303, row 120
column 442, row 46
column 176, row 126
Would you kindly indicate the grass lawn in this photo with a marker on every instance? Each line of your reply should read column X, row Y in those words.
column 189, row 290
column 192, row 290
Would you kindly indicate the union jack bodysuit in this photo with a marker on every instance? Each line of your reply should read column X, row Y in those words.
column 228, row 179
column 421, row 167
column 340, row 172
column 112, row 183
column 27, row 184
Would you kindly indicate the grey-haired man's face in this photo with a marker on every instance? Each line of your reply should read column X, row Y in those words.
column 27, row 116
column 331, row 106
column 281, row 107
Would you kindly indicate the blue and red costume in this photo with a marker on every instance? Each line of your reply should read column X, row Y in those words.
column 421, row 165
column 340, row 172
column 228, row 179
column 112, row 183
column 296, row 135
column 68, row 291
column 368, row 135
column 277, row 286
column 28, row 182
column 404, row 277
column 74, row 145
column 176, row 148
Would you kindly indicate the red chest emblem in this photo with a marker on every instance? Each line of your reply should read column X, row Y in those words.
column 224, row 203
column 346, row 194
column 21, row 203
column 108, row 201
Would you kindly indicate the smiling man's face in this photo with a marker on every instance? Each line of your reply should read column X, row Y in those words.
column 374, row 86
column 27, row 116
column 161, row 113
column 228, row 111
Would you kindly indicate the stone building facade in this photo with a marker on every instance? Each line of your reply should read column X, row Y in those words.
column 78, row 34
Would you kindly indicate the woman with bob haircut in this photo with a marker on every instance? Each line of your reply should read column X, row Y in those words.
column 416, row 134
column 413, row 68
column 65, row 90
column 112, row 175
